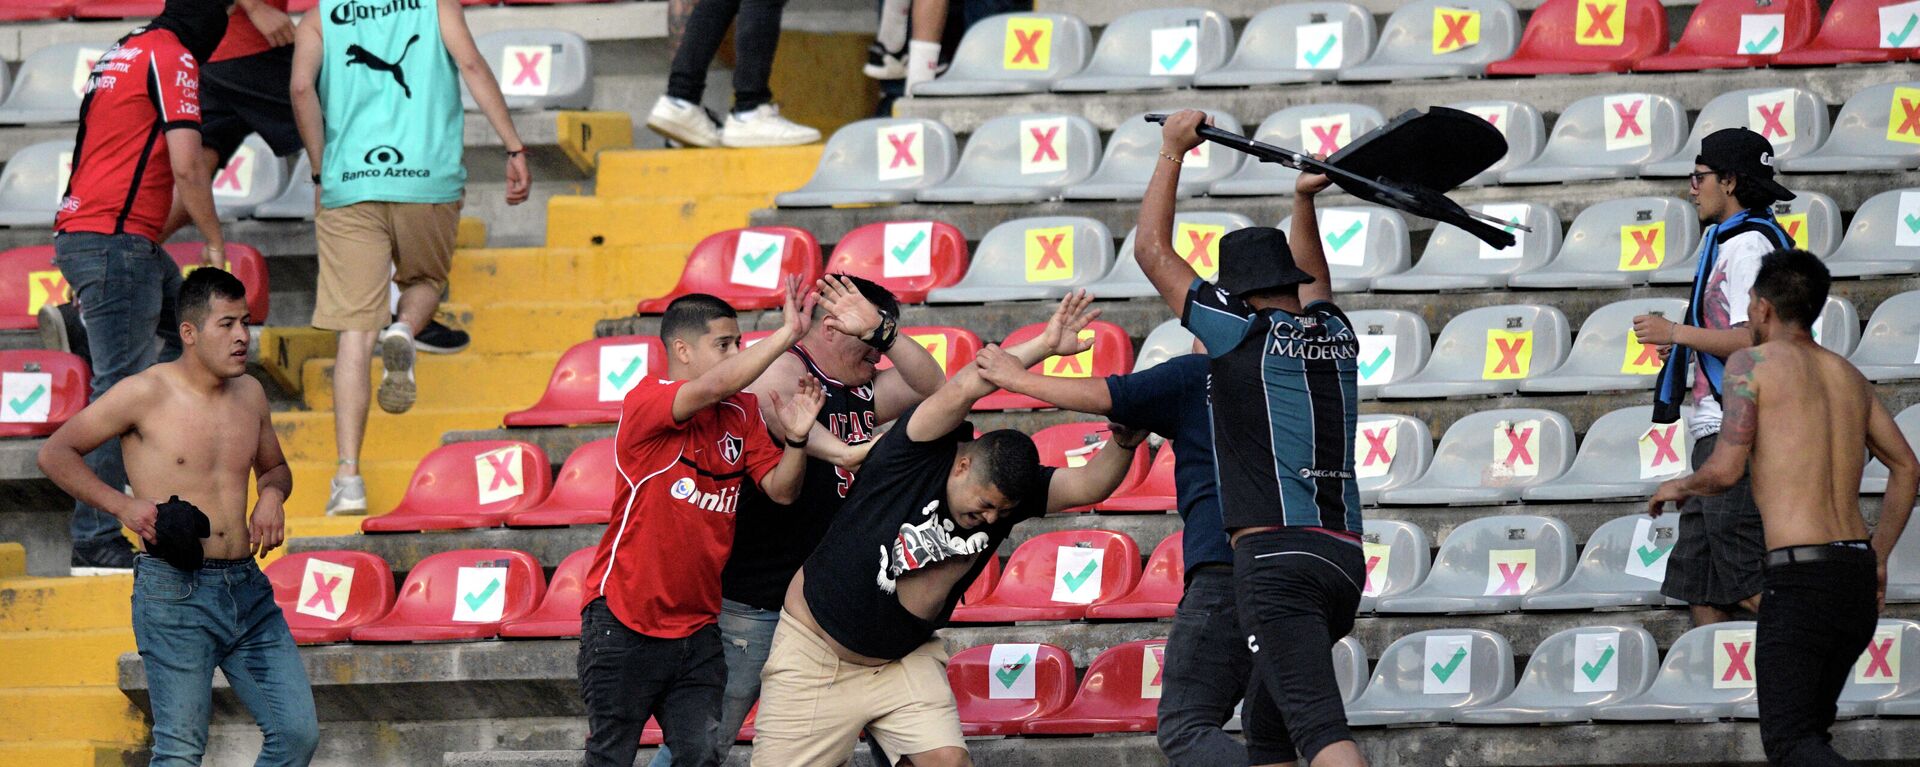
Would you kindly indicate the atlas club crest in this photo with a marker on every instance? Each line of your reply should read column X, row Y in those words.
column 730, row 447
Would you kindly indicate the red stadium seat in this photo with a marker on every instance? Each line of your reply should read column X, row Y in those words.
column 1160, row 586
column 29, row 280
column 559, row 613
column 591, row 379
column 302, row 6
column 244, row 262
column 1032, row 579
column 1029, row 681
column 468, row 485
column 1121, row 693
column 584, row 493
column 952, row 347
column 711, row 267
column 458, row 595
column 983, row 585
column 118, row 9
column 1713, row 38
column 36, row 10
column 1067, row 445
column 1566, row 37
column 1154, row 492
column 39, row 390
column 1112, row 354
column 746, row 727
column 325, row 595
column 907, row 257
column 1851, row 35
column 651, row 734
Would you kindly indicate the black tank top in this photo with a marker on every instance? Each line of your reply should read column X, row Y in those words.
column 771, row 541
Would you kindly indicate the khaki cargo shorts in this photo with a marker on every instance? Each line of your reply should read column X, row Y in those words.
column 813, row 705
column 361, row 244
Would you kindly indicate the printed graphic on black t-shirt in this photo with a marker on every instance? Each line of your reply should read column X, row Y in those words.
column 929, row 538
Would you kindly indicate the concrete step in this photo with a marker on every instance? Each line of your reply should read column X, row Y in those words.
column 534, row 325
column 705, row 172
column 73, row 753
column 56, row 714
column 578, row 221
column 63, row 604
column 386, row 482
column 66, row 657
column 308, row 435
column 469, row 379
column 624, row 274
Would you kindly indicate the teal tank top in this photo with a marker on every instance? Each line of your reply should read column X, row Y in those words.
column 390, row 95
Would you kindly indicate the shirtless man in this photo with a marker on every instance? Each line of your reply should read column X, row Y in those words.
column 1802, row 413
column 195, row 428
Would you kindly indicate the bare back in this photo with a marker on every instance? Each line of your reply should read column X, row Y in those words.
column 197, row 446
column 1808, row 418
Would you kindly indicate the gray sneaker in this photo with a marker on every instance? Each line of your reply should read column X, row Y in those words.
column 349, row 497
column 396, row 384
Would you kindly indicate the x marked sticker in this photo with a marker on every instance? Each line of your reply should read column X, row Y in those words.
column 324, row 587
column 1043, row 145
column 46, row 287
column 235, row 179
column 1643, row 247
column 1796, row 226
column 1074, row 365
column 1600, row 22
column 1153, row 665
column 1028, row 45
column 1733, row 659
column 64, row 173
column 1455, row 29
column 1374, row 450
column 1663, row 451
column 1516, row 448
column 497, row 473
column 901, row 152
column 1771, row 115
column 1379, row 557
column 1880, row 662
column 1625, row 121
column 1640, row 359
column 1509, row 355
column 1327, row 134
column 531, row 68
column 1199, row 246
column 1049, row 253
column 1510, row 572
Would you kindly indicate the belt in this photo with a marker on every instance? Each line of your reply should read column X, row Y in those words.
column 1825, row 552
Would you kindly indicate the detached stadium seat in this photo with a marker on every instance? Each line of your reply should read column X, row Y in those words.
column 1707, row 673
column 1606, row 356
column 468, row 485
column 1396, row 560
column 1491, row 457
column 40, row 389
column 1394, row 345
column 251, row 178
column 1389, row 451
column 1112, row 354
column 1878, row 129
column 1882, row 240
column 1624, row 455
column 1296, row 43
column 1793, row 120
column 1874, row 479
column 1428, row 676
column 1489, row 565
column 1196, row 238
column 1565, row 37
column 1032, row 259
column 537, row 68
column 1121, row 693
column 1888, row 348
column 592, row 379
column 998, row 687
column 559, row 612
column 460, row 595
column 1054, row 576
column 1489, row 350
column 1606, row 137
column 1013, row 53
column 1736, row 34
column 36, row 10
column 1133, row 150
column 33, row 183
column 1154, row 49
column 1456, row 260
column 583, row 495
column 50, row 84
column 1440, row 38
column 1622, row 565
column 325, row 595
column 1363, row 244
column 1155, row 492
column 1573, row 672
column 1312, row 129
column 908, row 258
column 881, row 160
column 28, row 281
column 296, row 199
column 952, row 347
column 1166, row 341
column 744, row 267
column 1159, row 589
column 244, row 262
column 1021, row 159
column 1852, row 34
column 1520, row 123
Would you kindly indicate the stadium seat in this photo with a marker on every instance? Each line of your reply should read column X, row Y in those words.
column 1624, row 454
column 1573, row 672
column 1363, row 244
column 1853, row 34
column 1707, row 672
column 1887, row 350
column 1394, row 345
column 39, row 390
column 906, row 257
column 1568, row 37
column 1159, row 589
column 325, row 595
column 1313, row 129
column 1606, row 356
column 1022, row 158
column 118, row 9
column 1428, row 676
column 982, row 586
column 1166, row 341
column 1794, row 120
column 1396, row 558
column 952, row 347
column 591, row 380
column 1440, row 38
column 296, row 200
column 1489, row 350
column 1523, row 128
column 1736, row 34
column 1390, row 451
column 1054, row 576
column 1196, row 238
column 1155, row 491
column 244, row 262
column 743, row 267
column 1000, row 686
column 6, row 71
column 36, row 10
column 1154, row 49
column 468, row 485
column 1349, row 668
column 1456, row 260
column 1622, row 565
column 1812, row 219
column 1134, row 149
column 1490, row 564
column 880, row 160
column 1032, row 259
column 1897, row 695
column 1877, row 130
column 1069, row 445
column 1120, row 693
column 1874, row 479
column 559, row 611
column 537, row 68
column 1606, row 137
column 460, row 595
column 1903, row 566
column 251, row 178
column 1296, row 43
column 1490, row 457
column 33, row 182
column 1112, row 354
column 1013, row 53
column 48, row 86
column 28, row 281
column 1838, row 327
column 1882, row 240
column 583, row 495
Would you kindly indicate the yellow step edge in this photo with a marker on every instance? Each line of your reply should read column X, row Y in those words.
column 702, row 172
column 599, row 221
column 469, row 378
column 13, row 560
column 567, row 274
column 386, row 482
column 308, row 435
column 64, row 604
column 70, row 753
column 51, row 714
column 322, row 526
column 65, row 658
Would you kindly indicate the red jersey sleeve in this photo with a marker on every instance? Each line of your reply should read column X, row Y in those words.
column 762, row 454
column 647, row 412
column 174, row 81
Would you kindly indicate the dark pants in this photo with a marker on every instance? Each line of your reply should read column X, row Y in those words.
column 1297, row 592
column 1815, row 620
column 1207, row 663
column 626, row 677
column 1716, row 560
column 755, row 39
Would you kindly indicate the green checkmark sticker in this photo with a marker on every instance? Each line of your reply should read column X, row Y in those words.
column 620, row 378
column 1011, row 672
column 1651, row 554
column 1169, row 62
column 1445, row 671
column 1913, row 223
column 1900, row 39
column 755, row 262
column 1592, row 670
column 22, row 405
column 1367, row 369
column 474, row 601
column 1315, row 57
column 1075, row 580
column 1756, row 46
column 905, row 252
column 1339, row 241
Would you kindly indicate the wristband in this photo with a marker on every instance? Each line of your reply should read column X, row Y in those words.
column 316, row 179
column 884, row 335
column 800, row 445
column 512, row 152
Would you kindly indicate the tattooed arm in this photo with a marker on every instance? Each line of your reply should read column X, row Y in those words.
column 1740, row 394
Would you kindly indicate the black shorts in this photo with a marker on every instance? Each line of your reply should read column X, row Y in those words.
column 248, row 95
column 1296, row 591
column 1717, row 560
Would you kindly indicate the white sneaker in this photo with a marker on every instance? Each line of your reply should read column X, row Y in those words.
column 765, row 127
column 688, row 123
column 883, row 64
column 347, row 497
column 396, row 383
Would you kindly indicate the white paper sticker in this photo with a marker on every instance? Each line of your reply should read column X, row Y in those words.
column 1662, row 451
column 1516, row 448
column 1317, row 46
column 497, row 473
column 1733, row 661
column 480, row 594
column 1447, row 665
column 621, row 368
column 1771, row 115
column 1376, row 361
column 1510, row 572
column 1153, row 664
column 1497, row 116
column 1596, row 666
column 906, row 249
column 1379, row 556
column 1200, row 157
column 1761, row 34
column 1647, row 553
column 26, row 397
column 1514, row 217
column 1626, row 121
column 1076, row 574
column 1345, row 234
column 528, row 70
column 1900, row 26
column 1906, row 225
column 1175, row 51
column 901, row 152
column 324, row 588
column 756, row 259
column 1325, row 135
column 1375, row 445
column 1880, row 662
column 235, row 179
column 1043, row 145
column 1012, row 671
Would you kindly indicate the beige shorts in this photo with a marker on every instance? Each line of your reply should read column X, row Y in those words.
column 361, row 244
column 813, row 704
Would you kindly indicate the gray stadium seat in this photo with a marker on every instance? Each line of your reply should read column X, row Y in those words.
column 1390, row 451
column 1489, row 350
column 1489, row 564
column 1882, row 239
column 1166, row 341
column 1428, row 676
column 1013, row 53
column 1874, row 479
column 1456, row 260
column 1408, row 49
column 1394, row 345
column 251, row 178
column 1154, row 49
column 1878, row 129
column 1618, row 244
column 1396, row 559
column 1363, row 243
column 1707, row 672
column 1198, row 232
column 1020, row 159
column 1812, row 219
column 1032, row 258
column 1296, row 43
column 33, row 182
column 1490, row 457
column 1134, row 149
column 1838, row 328
column 882, row 160
column 1889, row 350
column 1794, row 120
column 1605, row 356
column 1883, row 681
column 1622, row 565
column 1606, row 137
column 1349, row 668
column 1903, row 568
column 296, row 201
column 1526, row 133
column 6, row 80
column 537, row 69
column 1309, row 128
column 1623, row 455
column 50, row 84
column 1571, row 673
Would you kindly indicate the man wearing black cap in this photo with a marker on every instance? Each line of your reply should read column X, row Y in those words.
column 1715, row 565
column 1282, row 389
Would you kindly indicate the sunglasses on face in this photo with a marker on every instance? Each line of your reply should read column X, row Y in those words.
column 1693, row 179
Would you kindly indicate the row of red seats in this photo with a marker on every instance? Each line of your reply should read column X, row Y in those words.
column 862, row 253
column 50, row 10
column 1584, row 36
column 29, row 280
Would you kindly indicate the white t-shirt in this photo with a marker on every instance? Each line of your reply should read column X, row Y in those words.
column 1724, row 305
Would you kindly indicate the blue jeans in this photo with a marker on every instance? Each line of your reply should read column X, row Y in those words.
column 125, row 285
column 1207, row 668
column 220, row 616
column 746, row 634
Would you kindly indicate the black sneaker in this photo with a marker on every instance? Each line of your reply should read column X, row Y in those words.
column 61, row 329
column 436, row 338
column 113, row 556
